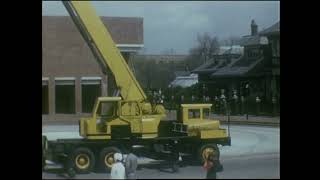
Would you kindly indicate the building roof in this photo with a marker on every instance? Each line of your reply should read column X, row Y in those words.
column 234, row 66
column 208, row 66
column 214, row 64
column 253, row 40
column 274, row 29
column 234, row 50
column 124, row 30
column 185, row 81
column 236, row 69
column 222, row 49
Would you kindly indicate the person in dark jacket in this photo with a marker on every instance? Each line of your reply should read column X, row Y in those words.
column 131, row 164
column 212, row 165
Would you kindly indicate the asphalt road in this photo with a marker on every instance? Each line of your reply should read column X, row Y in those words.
column 255, row 153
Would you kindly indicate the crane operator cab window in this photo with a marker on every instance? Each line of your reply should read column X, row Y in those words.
column 107, row 110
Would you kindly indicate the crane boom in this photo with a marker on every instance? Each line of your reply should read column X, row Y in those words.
column 104, row 49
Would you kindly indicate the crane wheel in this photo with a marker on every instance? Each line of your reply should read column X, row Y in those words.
column 82, row 160
column 106, row 158
column 207, row 149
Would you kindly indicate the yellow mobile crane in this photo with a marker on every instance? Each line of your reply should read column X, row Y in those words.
column 119, row 122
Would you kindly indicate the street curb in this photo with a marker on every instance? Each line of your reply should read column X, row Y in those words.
column 222, row 122
column 251, row 123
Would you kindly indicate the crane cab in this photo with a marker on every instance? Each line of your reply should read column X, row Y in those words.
column 113, row 117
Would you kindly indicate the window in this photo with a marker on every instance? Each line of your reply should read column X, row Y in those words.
column 107, row 109
column 206, row 113
column 65, row 95
column 45, row 97
column 194, row 113
column 252, row 53
column 90, row 91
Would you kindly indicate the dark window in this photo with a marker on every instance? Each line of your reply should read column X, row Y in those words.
column 90, row 91
column 206, row 113
column 194, row 113
column 107, row 109
column 65, row 97
column 45, row 97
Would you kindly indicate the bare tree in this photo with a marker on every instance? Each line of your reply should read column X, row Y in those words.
column 153, row 75
column 206, row 48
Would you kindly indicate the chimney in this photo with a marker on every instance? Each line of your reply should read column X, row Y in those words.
column 254, row 28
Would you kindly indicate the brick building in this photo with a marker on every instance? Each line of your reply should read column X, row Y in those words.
column 71, row 77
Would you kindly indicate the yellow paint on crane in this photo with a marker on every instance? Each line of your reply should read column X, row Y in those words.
column 125, row 80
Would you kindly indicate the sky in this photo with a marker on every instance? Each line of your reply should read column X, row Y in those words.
column 175, row 24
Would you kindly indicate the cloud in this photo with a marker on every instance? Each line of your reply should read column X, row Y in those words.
column 175, row 24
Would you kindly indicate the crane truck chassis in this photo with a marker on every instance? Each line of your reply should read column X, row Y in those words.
column 120, row 122
column 86, row 155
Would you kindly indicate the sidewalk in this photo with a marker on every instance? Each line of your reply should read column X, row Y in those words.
column 252, row 120
column 240, row 119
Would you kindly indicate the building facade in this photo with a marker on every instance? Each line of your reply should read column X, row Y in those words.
column 71, row 77
column 256, row 65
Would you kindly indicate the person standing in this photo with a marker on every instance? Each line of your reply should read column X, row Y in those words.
column 193, row 99
column 242, row 105
column 235, row 103
column 182, row 99
column 217, row 105
column 223, row 103
column 258, row 101
column 174, row 157
column 207, row 99
column 117, row 170
column 131, row 165
column 274, row 106
column 212, row 165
